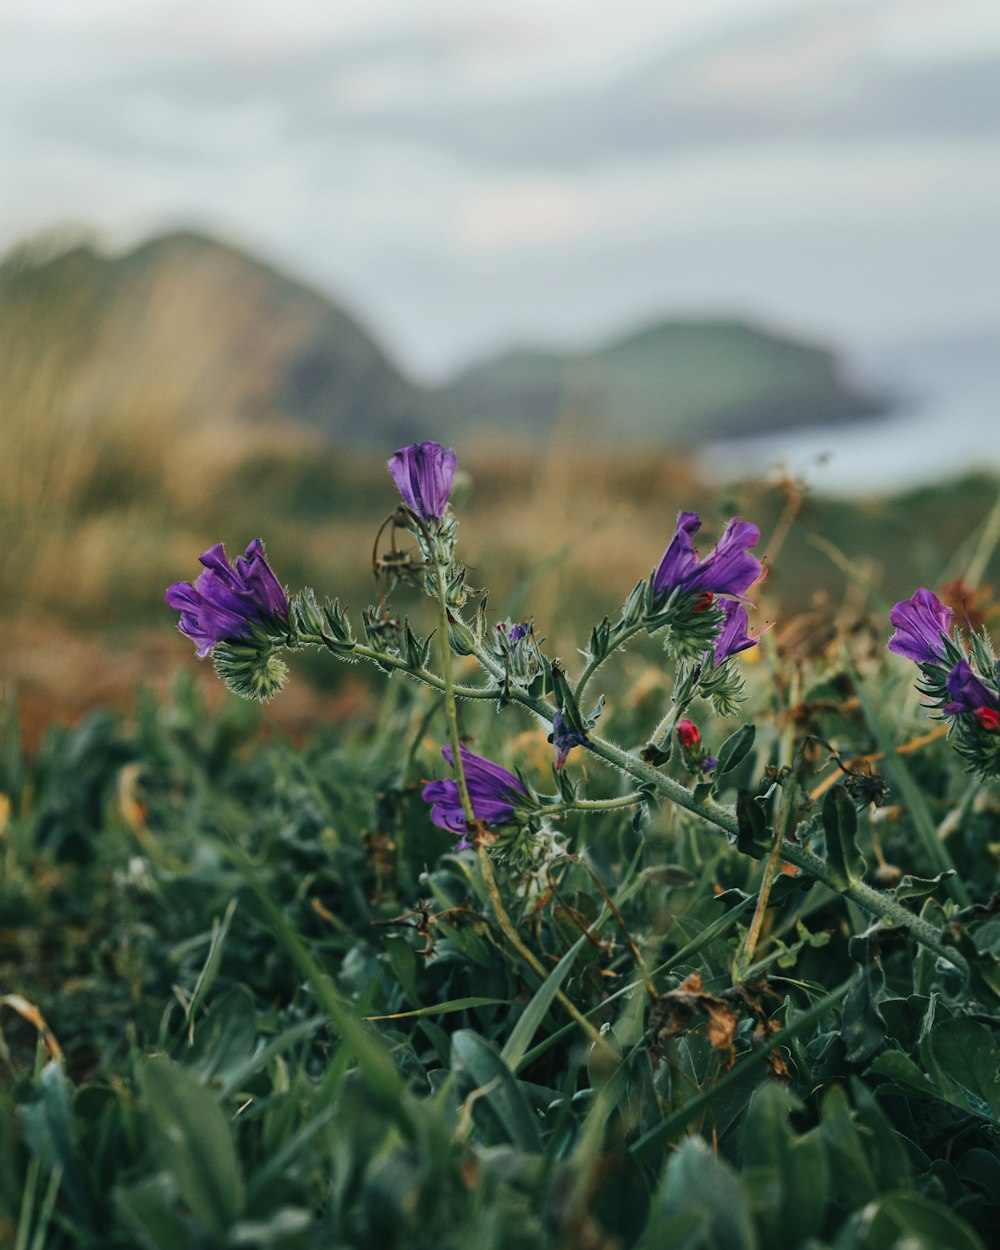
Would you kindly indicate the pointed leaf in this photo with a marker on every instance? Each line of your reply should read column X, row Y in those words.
column 697, row 1180
column 735, row 749
column 193, row 1141
column 481, row 1071
column 840, row 822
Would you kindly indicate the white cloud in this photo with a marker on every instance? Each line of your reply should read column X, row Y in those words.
column 470, row 172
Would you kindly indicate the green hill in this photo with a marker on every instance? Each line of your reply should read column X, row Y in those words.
column 194, row 333
column 677, row 382
column 213, row 334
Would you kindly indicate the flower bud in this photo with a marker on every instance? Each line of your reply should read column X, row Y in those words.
column 251, row 673
column 988, row 717
column 687, row 733
column 461, row 638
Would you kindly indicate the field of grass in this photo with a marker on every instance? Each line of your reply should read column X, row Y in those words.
column 96, row 520
column 251, row 996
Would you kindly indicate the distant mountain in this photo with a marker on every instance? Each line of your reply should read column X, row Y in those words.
column 678, row 382
column 205, row 332
column 193, row 334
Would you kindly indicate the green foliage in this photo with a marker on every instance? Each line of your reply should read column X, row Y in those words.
column 252, row 998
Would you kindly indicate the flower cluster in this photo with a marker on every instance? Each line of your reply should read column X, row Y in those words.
column 926, row 634
column 240, row 613
column 700, row 600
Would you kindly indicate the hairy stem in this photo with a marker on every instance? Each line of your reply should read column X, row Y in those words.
column 594, row 805
column 423, row 675
column 875, row 903
column 450, row 705
column 595, row 662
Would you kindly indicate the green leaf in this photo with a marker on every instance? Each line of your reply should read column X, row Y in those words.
column 403, row 962
column 862, row 1025
column 226, row 1038
column 234, row 1076
column 905, row 1078
column 149, row 1210
column 193, row 1141
column 49, row 1130
column 981, row 1168
column 788, row 1177
column 887, row 1150
column 840, row 823
column 854, row 1180
column 482, row 1073
column 969, row 1059
column 735, row 749
column 920, row 887
column 280, row 1229
column 908, row 1220
column 699, row 1183
column 446, row 1008
column 752, row 835
column 531, row 1018
column 213, row 960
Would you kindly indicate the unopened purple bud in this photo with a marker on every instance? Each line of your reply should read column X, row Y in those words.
column 923, row 625
column 564, row 739
column 424, row 474
column 734, row 635
column 968, row 694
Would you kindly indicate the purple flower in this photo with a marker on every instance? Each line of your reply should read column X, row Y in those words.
column 225, row 601
column 968, row 694
column 492, row 789
column 733, row 637
column 728, row 569
column 922, row 627
column 424, row 474
column 565, row 738
column 517, row 632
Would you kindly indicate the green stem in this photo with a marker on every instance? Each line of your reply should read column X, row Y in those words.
column 873, row 902
column 450, row 705
column 594, row 805
column 422, row 674
column 783, row 823
column 744, row 957
column 473, row 825
column 595, row 662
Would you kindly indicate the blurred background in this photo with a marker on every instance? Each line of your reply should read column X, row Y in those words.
column 739, row 255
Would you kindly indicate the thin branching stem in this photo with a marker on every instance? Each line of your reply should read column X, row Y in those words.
column 450, row 705
column 595, row 662
column 875, row 903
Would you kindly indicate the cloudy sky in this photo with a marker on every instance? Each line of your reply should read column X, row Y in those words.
column 466, row 175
